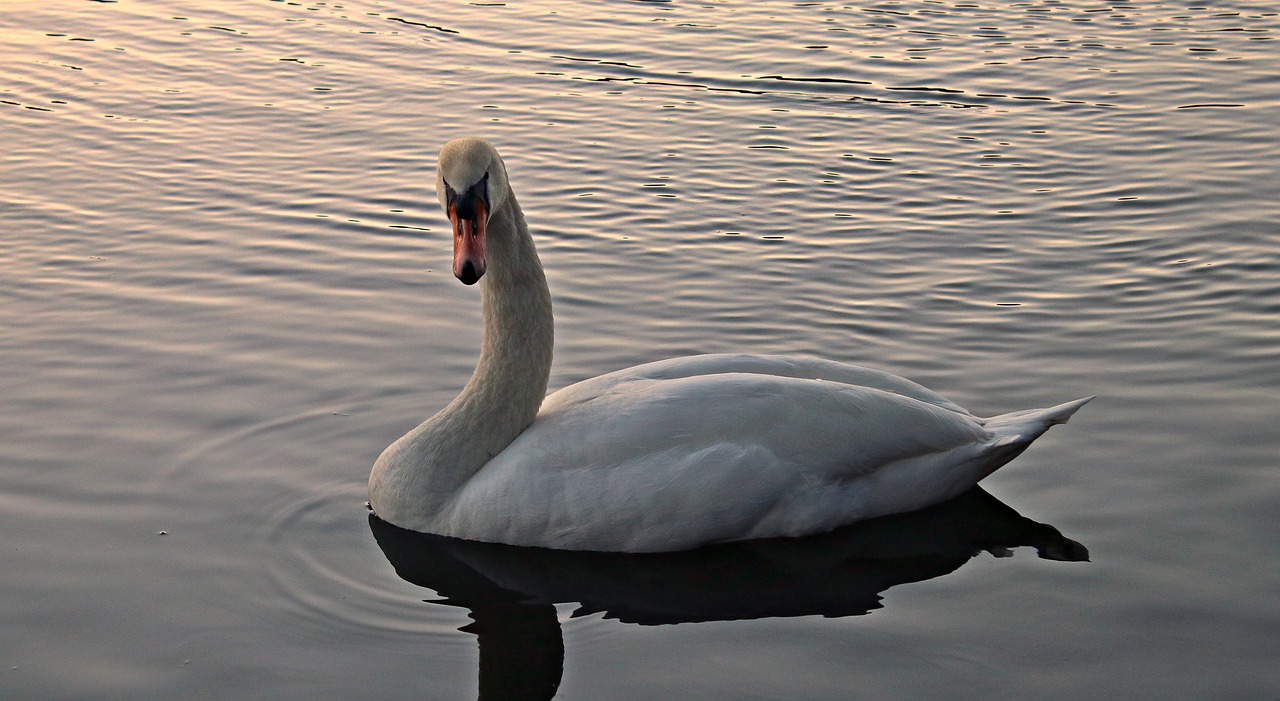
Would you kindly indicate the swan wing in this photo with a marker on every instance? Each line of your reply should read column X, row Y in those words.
column 661, row 457
column 777, row 365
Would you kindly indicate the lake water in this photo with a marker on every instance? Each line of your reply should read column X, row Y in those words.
column 225, row 287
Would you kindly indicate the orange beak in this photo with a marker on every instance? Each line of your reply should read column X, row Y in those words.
column 468, row 243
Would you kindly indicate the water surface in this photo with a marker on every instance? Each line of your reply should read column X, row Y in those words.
column 226, row 289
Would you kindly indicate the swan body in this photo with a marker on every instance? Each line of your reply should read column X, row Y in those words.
column 668, row 455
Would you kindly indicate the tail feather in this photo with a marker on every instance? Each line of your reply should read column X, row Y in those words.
column 1027, row 425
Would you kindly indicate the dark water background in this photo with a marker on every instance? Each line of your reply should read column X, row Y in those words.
column 224, row 289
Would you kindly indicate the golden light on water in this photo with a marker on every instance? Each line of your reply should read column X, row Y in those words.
column 227, row 288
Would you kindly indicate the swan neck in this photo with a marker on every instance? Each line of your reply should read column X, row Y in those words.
column 414, row 480
column 511, row 375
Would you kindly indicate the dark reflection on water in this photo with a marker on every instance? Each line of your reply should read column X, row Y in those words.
column 225, row 291
column 512, row 591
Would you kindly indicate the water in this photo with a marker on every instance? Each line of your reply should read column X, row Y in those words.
column 226, row 289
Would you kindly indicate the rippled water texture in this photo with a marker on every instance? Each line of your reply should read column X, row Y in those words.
column 225, row 289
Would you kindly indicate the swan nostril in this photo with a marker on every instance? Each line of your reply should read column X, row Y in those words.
column 468, row 273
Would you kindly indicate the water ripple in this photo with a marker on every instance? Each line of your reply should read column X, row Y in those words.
column 228, row 288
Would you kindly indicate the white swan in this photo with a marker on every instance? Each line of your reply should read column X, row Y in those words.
column 668, row 455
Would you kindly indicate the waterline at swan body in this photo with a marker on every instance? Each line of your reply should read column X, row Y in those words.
column 668, row 455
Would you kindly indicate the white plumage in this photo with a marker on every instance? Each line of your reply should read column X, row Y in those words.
column 668, row 455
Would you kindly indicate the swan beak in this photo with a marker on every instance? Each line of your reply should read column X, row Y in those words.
column 468, row 242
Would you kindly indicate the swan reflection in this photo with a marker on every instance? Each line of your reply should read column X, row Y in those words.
column 511, row 591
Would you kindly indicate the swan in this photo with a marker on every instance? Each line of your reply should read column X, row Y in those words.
column 669, row 455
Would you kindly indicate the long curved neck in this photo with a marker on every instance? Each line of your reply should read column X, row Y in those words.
column 419, row 472
column 510, row 379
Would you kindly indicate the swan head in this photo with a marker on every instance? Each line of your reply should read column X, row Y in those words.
column 471, row 182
